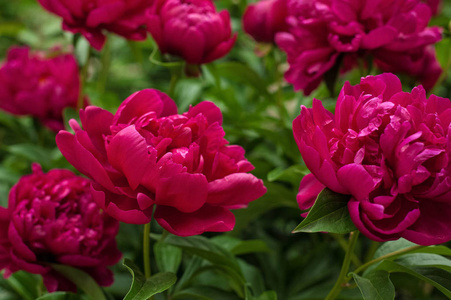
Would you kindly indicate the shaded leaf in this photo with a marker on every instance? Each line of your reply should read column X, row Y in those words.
column 441, row 279
column 375, row 285
column 329, row 213
column 168, row 257
column 82, row 280
column 143, row 288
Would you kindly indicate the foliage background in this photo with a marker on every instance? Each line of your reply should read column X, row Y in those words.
column 261, row 258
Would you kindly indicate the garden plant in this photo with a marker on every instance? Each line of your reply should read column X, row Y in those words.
column 225, row 149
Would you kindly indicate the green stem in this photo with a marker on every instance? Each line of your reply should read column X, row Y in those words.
column 146, row 250
column 83, row 79
column 345, row 267
column 389, row 255
column 339, row 238
column 106, row 63
column 173, row 83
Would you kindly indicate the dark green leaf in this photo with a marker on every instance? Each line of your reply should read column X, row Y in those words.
column 329, row 213
column 82, row 280
column 375, row 285
column 441, row 279
column 168, row 257
column 61, row 296
column 143, row 288
column 268, row 295
column 241, row 73
column 252, row 246
column 292, row 175
column 25, row 284
column 205, row 293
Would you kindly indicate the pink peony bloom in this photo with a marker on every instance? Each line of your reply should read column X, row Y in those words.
column 147, row 154
column 262, row 20
column 52, row 219
column 33, row 84
column 191, row 29
column 434, row 5
column 92, row 17
column 388, row 149
column 394, row 32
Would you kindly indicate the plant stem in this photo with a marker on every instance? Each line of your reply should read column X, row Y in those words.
column 389, row 255
column 339, row 238
column 345, row 267
column 146, row 250
column 83, row 79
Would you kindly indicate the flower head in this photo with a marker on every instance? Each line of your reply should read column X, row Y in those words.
column 147, row 154
column 388, row 149
column 262, row 20
column 52, row 219
column 33, row 84
column 394, row 33
column 191, row 29
column 91, row 17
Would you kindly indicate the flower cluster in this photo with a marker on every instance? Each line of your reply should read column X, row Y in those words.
column 33, row 84
column 147, row 154
column 52, row 219
column 262, row 20
column 323, row 33
column 191, row 29
column 388, row 149
column 90, row 18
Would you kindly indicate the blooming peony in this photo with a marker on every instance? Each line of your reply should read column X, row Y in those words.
column 388, row 149
column 52, row 219
column 147, row 154
column 92, row 17
column 394, row 33
column 33, row 84
column 262, row 20
column 191, row 29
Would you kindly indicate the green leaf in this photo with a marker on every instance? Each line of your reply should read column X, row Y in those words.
column 204, row 293
column 329, row 213
column 61, row 296
column 268, row 295
column 251, row 246
column 375, row 285
column 168, row 257
column 392, row 246
column 292, row 175
column 240, row 72
column 25, row 284
column 441, row 279
column 425, row 260
column 82, row 280
column 143, row 288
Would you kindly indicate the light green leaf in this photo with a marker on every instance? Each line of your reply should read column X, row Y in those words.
column 143, row 288
column 375, row 285
column 329, row 213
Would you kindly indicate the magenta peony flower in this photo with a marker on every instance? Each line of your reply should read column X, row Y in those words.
column 33, row 84
column 52, row 219
column 92, row 17
column 388, row 149
column 262, row 20
column 394, row 33
column 191, row 29
column 147, row 154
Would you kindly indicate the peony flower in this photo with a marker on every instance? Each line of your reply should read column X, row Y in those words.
column 262, row 20
column 52, row 219
column 321, row 33
column 91, row 17
column 39, row 85
column 191, row 29
column 390, row 151
column 147, row 154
